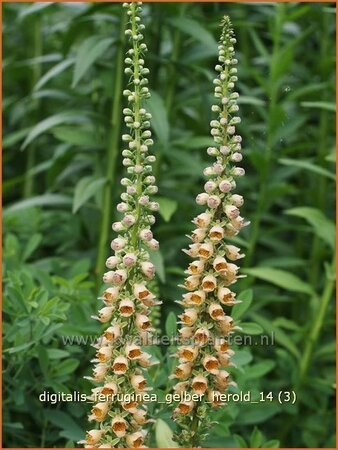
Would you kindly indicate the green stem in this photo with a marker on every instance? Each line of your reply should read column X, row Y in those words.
column 28, row 187
column 317, row 325
column 137, row 105
column 194, row 429
column 112, row 152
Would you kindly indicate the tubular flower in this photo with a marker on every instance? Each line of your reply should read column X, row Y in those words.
column 127, row 299
column 206, row 320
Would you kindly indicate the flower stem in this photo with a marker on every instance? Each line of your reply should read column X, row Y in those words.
column 317, row 325
column 28, row 187
column 112, row 151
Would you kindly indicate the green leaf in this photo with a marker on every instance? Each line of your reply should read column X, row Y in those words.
column 55, row 353
column 66, row 367
column 170, row 324
column 280, row 278
column 39, row 200
column 256, row 438
column 159, row 121
column 258, row 413
column 157, row 259
column 89, row 51
column 322, row 226
column 167, row 207
column 33, row 9
column 259, row 369
column 195, row 30
column 307, row 165
column 164, row 435
column 277, row 334
column 86, row 188
column 53, row 72
column 328, row 106
column 52, row 121
column 251, row 328
column 83, row 137
column 31, row 246
column 65, row 422
column 239, row 309
column 273, row 443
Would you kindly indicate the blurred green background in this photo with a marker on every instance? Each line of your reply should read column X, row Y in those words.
column 63, row 77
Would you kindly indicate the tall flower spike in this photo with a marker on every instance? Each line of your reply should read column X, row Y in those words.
column 119, row 363
column 206, row 320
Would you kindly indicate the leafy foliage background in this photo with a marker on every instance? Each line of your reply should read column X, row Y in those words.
column 62, row 101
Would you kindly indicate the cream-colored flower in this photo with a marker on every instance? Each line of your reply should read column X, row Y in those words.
column 120, row 365
column 119, row 426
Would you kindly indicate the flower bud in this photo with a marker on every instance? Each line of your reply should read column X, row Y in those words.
column 231, row 211
column 237, row 200
column 129, row 259
column 202, row 199
column 118, row 244
column 225, row 186
column 112, row 262
column 213, row 201
column 146, row 235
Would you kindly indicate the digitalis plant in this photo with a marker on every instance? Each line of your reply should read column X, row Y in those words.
column 120, row 360
column 204, row 352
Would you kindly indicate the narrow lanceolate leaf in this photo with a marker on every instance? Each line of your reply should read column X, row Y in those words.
column 52, row 121
column 53, row 72
column 195, row 30
column 307, row 165
column 87, row 54
column 40, row 200
column 160, row 123
column 280, row 278
column 322, row 226
column 86, row 188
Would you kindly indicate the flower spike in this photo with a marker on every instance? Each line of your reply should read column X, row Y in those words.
column 206, row 320
column 120, row 360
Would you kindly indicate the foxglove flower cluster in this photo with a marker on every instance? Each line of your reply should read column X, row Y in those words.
column 204, row 354
column 117, row 409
